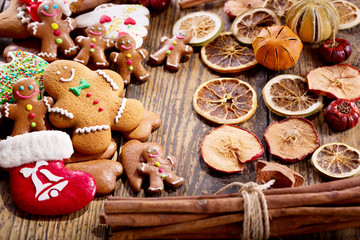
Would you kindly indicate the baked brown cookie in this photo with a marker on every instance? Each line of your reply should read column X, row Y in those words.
column 53, row 31
column 148, row 159
column 90, row 102
column 129, row 59
column 93, row 46
column 172, row 49
column 28, row 113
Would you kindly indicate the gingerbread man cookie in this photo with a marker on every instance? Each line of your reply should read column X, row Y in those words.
column 173, row 49
column 53, row 31
column 129, row 59
column 140, row 159
column 94, row 46
column 90, row 102
column 29, row 113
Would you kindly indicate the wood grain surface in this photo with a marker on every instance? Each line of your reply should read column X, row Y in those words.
column 170, row 95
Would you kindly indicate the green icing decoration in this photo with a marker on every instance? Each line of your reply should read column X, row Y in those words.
column 77, row 90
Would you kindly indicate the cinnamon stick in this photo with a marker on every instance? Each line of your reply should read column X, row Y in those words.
column 192, row 3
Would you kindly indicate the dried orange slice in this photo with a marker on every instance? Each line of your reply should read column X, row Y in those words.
column 204, row 26
column 288, row 95
column 338, row 81
column 337, row 160
column 280, row 7
column 226, row 55
column 227, row 148
column 225, row 100
column 291, row 139
column 349, row 14
column 248, row 25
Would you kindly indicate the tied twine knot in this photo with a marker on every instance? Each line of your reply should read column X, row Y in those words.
column 256, row 224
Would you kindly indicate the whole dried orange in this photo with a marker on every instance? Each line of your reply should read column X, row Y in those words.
column 338, row 81
column 248, row 24
column 277, row 48
column 337, row 160
column 225, row 100
column 227, row 55
column 227, row 148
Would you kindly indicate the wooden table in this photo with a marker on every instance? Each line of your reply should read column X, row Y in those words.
column 170, row 95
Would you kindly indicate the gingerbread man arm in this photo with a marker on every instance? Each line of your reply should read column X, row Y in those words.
column 113, row 79
column 163, row 40
column 144, row 168
column 6, row 110
column 172, row 160
column 33, row 29
column 80, row 40
column 188, row 49
column 109, row 43
column 71, row 22
column 114, row 56
column 144, row 53
column 49, row 102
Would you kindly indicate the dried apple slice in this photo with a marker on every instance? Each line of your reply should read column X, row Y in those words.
column 338, row 81
column 228, row 147
column 234, row 8
column 288, row 95
column 225, row 100
column 249, row 24
column 227, row 55
column 280, row 7
column 337, row 160
column 292, row 139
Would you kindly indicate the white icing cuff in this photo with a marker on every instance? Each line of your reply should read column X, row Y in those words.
column 33, row 147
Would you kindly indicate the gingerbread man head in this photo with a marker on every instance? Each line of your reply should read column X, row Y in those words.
column 153, row 153
column 96, row 31
column 48, row 11
column 26, row 88
column 184, row 35
column 126, row 43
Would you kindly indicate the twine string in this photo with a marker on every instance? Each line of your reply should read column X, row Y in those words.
column 256, row 224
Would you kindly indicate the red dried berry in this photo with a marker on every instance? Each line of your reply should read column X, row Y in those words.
column 335, row 52
column 342, row 114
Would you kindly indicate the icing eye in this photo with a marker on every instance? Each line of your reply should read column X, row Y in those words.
column 92, row 28
column 149, row 151
column 46, row 7
column 98, row 29
column 31, row 87
column 123, row 42
column 183, row 34
column 21, row 87
column 128, row 42
column 55, row 6
column 58, row 72
column 155, row 149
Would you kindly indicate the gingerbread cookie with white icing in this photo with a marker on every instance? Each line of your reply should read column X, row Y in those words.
column 141, row 160
column 93, row 46
column 28, row 113
column 53, row 31
column 91, row 103
column 172, row 49
column 129, row 59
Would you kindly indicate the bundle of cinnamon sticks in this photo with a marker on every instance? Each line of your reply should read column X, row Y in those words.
column 293, row 211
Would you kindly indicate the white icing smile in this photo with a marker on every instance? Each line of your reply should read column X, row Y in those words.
column 70, row 78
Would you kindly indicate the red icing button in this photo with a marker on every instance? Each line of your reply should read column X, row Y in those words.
column 57, row 33
column 88, row 94
column 92, row 45
column 129, row 20
column 31, row 115
column 104, row 19
column 101, row 109
column 96, row 101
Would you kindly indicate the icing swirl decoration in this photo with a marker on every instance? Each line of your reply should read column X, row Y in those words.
column 118, row 19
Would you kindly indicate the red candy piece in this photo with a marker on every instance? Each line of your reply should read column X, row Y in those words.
column 88, row 94
column 104, row 19
column 57, row 32
column 31, row 115
column 101, row 109
column 96, row 101
column 129, row 20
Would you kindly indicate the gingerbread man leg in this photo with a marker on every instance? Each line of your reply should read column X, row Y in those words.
column 99, row 59
column 173, row 61
column 19, row 129
column 140, row 73
column 156, row 183
column 173, row 180
column 68, row 47
column 48, row 51
column 158, row 57
column 82, row 57
column 92, row 140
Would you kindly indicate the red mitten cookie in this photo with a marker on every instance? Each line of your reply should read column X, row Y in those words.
column 53, row 31
column 39, row 182
column 173, row 49
column 129, row 59
column 93, row 46
column 148, row 159
column 90, row 102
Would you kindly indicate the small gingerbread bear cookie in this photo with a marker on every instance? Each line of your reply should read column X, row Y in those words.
column 129, row 59
column 93, row 46
column 28, row 113
column 90, row 102
column 173, row 49
column 148, row 159
column 53, row 31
